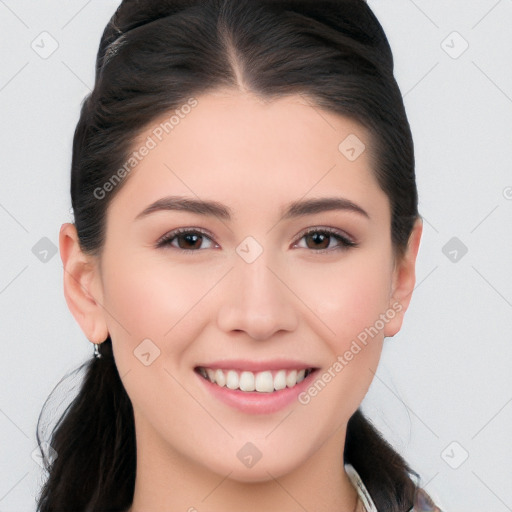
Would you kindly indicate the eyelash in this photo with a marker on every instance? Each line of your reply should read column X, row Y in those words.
column 346, row 243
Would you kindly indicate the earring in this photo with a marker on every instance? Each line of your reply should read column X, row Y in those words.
column 97, row 354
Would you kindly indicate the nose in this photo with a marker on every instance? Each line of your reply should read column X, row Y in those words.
column 257, row 300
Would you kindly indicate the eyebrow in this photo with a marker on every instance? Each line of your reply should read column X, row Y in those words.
column 295, row 209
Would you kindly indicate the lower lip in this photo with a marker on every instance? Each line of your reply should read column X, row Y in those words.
column 254, row 402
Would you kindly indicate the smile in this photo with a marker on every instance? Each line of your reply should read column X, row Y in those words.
column 267, row 381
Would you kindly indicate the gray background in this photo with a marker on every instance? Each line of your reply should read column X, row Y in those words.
column 443, row 392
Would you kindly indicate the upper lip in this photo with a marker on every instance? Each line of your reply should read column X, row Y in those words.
column 256, row 366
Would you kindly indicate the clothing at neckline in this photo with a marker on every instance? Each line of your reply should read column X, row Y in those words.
column 422, row 501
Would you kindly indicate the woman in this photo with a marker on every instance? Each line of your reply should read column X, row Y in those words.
column 245, row 237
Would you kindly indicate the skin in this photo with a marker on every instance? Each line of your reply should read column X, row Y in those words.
column 292, row 301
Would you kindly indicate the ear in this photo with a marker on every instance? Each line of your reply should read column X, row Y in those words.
column 82, row 285
column 404, row 279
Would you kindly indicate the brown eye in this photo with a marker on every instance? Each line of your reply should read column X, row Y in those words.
column 186, row 240
column 320, row 240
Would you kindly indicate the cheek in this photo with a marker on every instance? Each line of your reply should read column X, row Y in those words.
column 154, row 317
column 154, row 300
column 351, row 303
column 155, row 292
column 353, row 306
column 348, row 297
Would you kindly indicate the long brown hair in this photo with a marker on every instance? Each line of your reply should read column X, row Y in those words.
column 153, row 56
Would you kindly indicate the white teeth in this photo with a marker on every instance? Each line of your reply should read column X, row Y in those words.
column 291, row 378
column 246, row 382
column 264, row 382
column 232, row 380
column 220, row 378
column 280, row 380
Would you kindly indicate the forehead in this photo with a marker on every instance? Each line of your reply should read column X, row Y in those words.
column 237, row 119
column 241, row 148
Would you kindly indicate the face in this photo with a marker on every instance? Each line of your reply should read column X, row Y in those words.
column 252, row 292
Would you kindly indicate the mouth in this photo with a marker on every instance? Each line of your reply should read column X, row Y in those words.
column 264, row 382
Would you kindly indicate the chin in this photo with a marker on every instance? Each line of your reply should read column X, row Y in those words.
column 261, row 469
column 259, row 474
